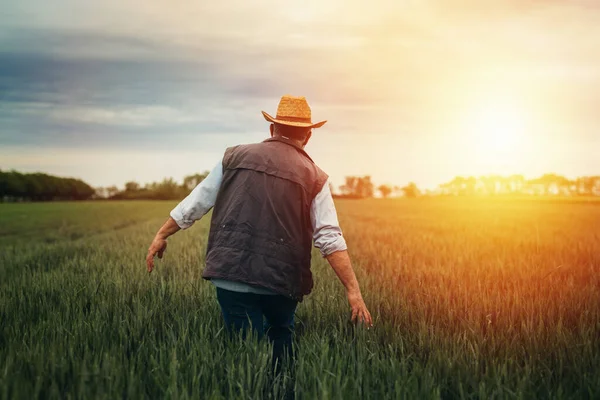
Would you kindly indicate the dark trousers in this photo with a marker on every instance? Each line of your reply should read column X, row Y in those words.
column 272, row 315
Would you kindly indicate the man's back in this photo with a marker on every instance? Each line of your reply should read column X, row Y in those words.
column 261, row 231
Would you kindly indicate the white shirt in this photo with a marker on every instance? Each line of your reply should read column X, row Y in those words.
column 327, row 234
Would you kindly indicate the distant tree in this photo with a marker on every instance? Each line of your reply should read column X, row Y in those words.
column 15, row 185
column 592, row 185
column 365, row 187
column 470, row 185
column 132, row 186
column 411, row 190
column 11, row 185
column 81, row 190
column 551, row 184
column 357, row 187
column 516, row 183
column 168, row 189
column 385, row 190
column 100, row 192
column 191, row 181
column 112, row 191
column 348, row 188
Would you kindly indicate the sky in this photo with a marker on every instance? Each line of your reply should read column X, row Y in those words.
column 419, row 91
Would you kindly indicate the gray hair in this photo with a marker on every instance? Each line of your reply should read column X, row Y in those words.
column 291, row 132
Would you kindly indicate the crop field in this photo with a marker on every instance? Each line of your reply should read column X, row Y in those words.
column 471, row 298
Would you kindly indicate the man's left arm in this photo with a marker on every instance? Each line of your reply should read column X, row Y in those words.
column 189, row 210
column 328, row 238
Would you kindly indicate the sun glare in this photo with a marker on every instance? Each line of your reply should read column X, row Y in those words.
column 496, row 138
column 498, row 129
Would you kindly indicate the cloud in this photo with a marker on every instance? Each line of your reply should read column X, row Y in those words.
column 143, row 76
column 133, row 116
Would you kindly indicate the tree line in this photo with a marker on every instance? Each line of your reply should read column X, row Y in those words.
column 167, row 189
column 360, row 187
column 545, row 185
column 356, row 187
column 16, row 186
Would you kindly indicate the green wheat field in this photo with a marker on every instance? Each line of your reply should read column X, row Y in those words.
column 471, row 298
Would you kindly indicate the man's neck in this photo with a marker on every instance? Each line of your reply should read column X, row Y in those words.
column 295, row 141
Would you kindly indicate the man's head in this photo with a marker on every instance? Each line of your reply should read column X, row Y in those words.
column 300, row 135
column 293, row 120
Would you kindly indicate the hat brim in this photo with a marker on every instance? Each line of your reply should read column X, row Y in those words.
column 290, row 123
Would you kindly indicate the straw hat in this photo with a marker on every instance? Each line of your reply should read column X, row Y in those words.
column 293, row 111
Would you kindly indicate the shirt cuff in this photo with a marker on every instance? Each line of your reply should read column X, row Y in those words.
column 334, row 244
column 179, row 219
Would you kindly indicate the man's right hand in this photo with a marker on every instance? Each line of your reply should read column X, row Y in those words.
column 159, row 244
column 158, row 247
column 360, row 313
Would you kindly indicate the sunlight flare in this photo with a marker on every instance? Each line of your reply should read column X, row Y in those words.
column 498, row 129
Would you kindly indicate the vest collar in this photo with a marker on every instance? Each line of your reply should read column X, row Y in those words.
column 288, row 142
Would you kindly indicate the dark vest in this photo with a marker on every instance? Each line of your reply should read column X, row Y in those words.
column 260, row 232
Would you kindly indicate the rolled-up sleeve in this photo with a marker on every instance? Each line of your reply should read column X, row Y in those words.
column 327, row 233
column 200, row 200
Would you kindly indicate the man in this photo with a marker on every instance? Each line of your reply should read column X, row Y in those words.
column 270, row 202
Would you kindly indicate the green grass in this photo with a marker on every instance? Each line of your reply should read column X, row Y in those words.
column 471, row 299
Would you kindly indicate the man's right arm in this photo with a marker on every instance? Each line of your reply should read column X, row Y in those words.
column 189, row 210
column 329, row 240
column 200, row 200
